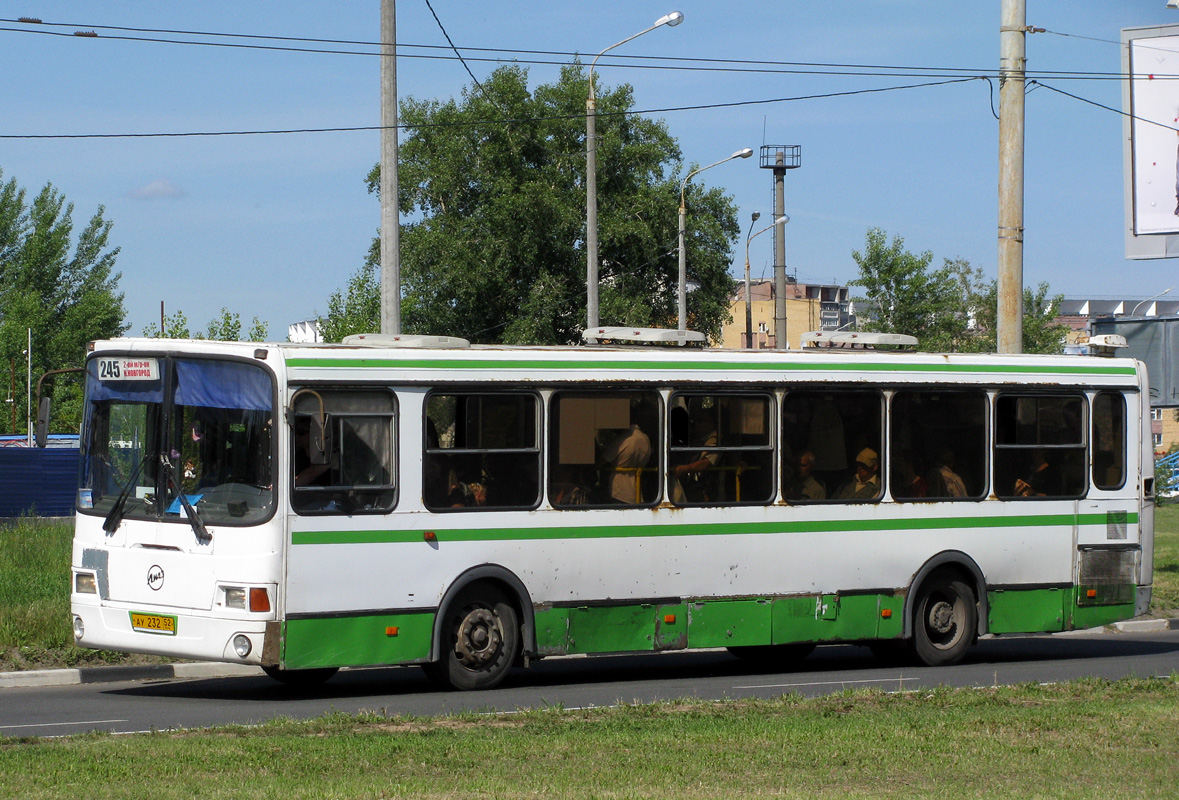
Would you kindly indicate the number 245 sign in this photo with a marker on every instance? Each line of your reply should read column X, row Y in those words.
column 128, row 369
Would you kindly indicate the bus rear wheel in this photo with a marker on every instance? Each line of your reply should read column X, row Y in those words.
column 945, row 620
column 300, row 677
column 480, row 640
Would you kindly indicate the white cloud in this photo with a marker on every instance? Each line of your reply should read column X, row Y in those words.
column 155, row 190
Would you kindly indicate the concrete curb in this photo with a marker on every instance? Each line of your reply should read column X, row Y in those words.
column 147, row 672
column 1146, row 625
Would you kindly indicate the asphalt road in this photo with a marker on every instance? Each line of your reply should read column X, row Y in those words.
column 571, row 682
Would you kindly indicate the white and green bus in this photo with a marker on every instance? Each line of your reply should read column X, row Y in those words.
column 467, row 509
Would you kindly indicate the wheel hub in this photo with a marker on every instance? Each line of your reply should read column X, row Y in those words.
column 941, row 617
column 479, row 638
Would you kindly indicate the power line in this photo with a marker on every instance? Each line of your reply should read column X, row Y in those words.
column 1105, row 107
column 359, row 128
column 673, row 63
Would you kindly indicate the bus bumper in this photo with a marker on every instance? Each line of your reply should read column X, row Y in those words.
column 162, row 631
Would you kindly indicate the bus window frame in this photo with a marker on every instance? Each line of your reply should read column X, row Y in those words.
column 658, row 437
column 986, row 395
column 480, row 390
column 883, row 395
column 1083, row 446
column 1125, row 434
column 771, row 446
column 395, row 418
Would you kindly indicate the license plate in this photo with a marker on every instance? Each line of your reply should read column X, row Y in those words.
column 153, row 623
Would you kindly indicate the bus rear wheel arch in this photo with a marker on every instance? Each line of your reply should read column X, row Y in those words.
column 479, row 638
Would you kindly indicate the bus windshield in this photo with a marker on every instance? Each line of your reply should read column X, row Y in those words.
column 156, row 428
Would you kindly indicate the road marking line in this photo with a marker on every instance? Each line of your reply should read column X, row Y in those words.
column 59, row 724
column 820, row 683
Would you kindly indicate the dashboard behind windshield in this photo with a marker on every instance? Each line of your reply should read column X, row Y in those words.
column 157, row 427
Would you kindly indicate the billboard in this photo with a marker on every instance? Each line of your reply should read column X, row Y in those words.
column 1155, row 341
column 1150, row 97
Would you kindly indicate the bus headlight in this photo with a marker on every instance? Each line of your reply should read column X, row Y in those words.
column 242, row 645
column 235, row 597
column 79, row 629
column 84, row 583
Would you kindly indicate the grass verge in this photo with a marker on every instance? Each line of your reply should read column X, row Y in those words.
column 1079, row 740
column 1164, row 600
column 35, row 600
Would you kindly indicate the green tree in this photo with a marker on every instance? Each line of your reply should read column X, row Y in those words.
column 65, row 295
column 225, row 328
column 950, row 309
column 495, row 249
column 904, row 295
column 358, row 308
column 1041, row 332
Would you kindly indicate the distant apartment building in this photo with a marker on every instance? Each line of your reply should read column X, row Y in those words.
column 809, row 307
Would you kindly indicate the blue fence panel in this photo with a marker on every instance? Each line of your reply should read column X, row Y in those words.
column 35, row 481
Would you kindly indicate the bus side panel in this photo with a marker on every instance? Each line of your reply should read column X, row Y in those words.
column 361, row 640
column 1028, row 610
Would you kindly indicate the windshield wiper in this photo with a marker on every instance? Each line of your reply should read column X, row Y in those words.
column 115, row 517
column 198, row 525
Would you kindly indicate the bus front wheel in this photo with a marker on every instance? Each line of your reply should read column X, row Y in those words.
column 480, row 640
column 945, row 620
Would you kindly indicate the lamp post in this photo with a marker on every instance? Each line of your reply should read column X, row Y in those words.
column 591, row 174
column 1147, row 300
column 782, row 220
column 682, row 297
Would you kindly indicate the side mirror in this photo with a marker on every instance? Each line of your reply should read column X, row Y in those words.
column 42, row 429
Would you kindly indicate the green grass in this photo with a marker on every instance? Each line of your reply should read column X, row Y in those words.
column 35, row 628
column 35, row 584
column 1089, row 739
column 1165, row 597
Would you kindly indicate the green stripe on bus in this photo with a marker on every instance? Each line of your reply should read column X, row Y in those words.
column 689, row 365
column 691, row 529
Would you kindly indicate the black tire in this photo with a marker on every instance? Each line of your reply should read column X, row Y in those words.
column 945, row 620
column 480, row 640
column 773, row 655
column 301, row 677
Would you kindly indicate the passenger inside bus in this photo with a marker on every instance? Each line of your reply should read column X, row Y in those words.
column 803, row 485
column 866, row 483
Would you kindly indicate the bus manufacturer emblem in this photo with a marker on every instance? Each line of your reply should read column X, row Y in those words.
column 155, row 577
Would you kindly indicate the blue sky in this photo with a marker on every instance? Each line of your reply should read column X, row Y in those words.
column 270, row 226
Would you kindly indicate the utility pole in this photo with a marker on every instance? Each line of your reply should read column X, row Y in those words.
column 390, row 224
column 780, row 158
column 1012, row 77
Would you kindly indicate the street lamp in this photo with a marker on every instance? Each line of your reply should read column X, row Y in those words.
column 591, row 174
column 682, row 298
column 1147, row 300
column 782, row 220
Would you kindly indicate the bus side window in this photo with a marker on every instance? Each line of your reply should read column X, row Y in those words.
column 721, row 449
column 839, row 434
column 604, row 449
column 1040, row 446
column 482, row 451
column 359, row 475
column 1109, row 441
column 938, row 447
